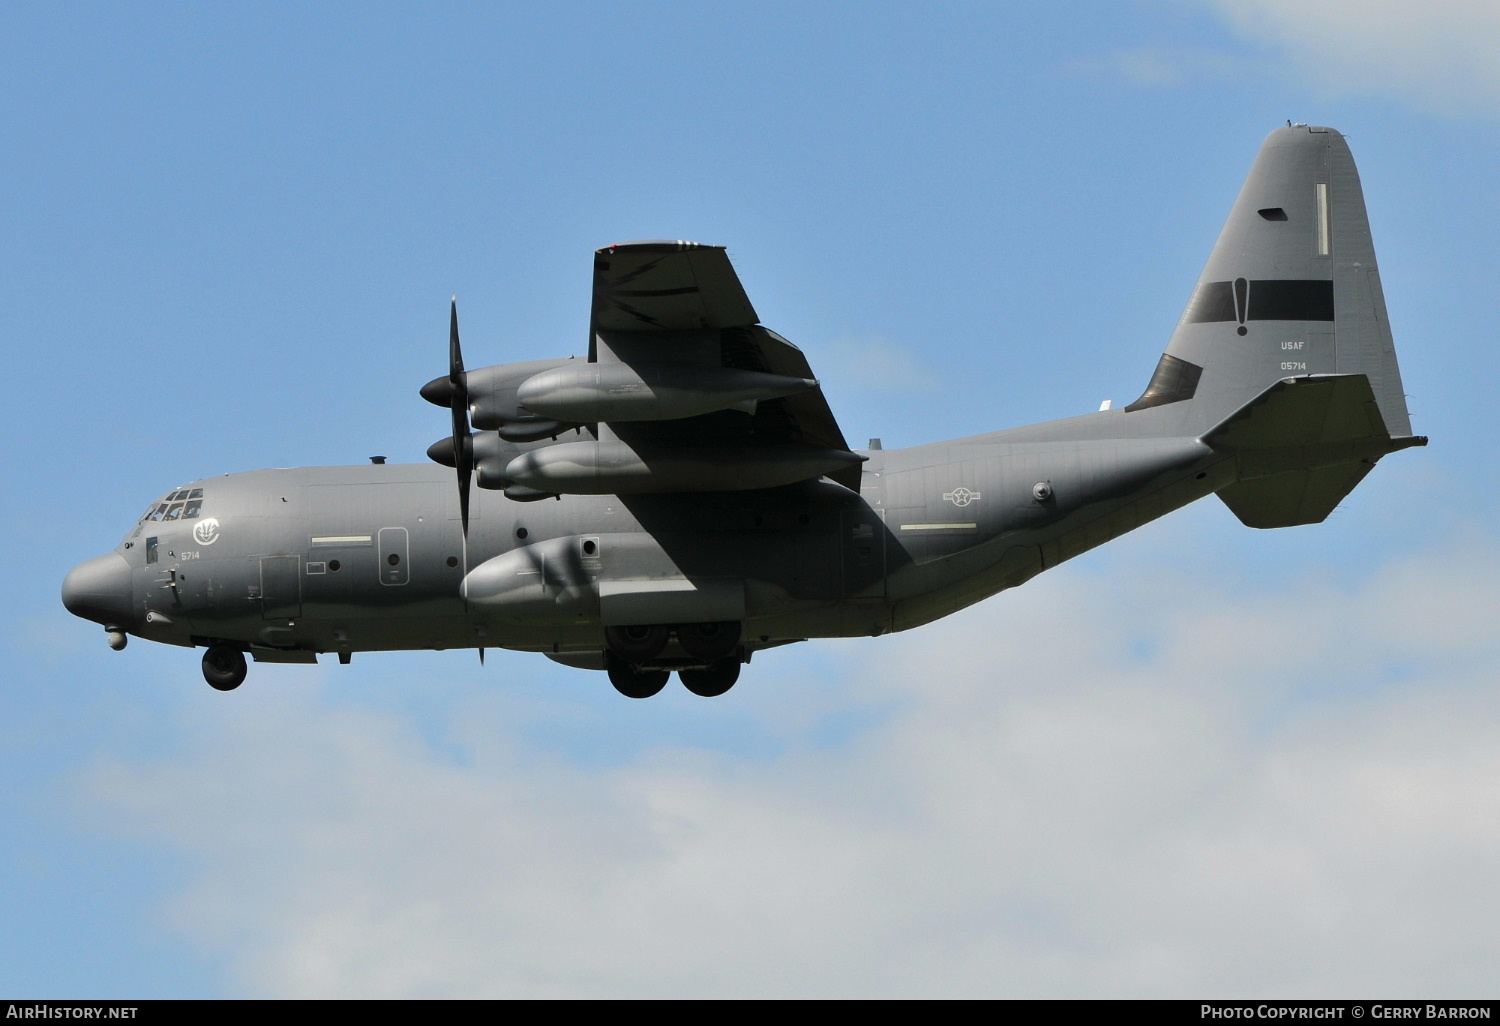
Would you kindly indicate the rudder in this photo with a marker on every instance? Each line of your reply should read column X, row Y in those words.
column 1290, row 289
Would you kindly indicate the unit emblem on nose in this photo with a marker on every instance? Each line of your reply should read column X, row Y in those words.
column 206, row 532
column 961, row 496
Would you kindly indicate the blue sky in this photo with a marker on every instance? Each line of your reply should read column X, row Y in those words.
column 1201, row 760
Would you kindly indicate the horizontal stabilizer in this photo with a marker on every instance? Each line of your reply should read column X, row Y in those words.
column 1294, row 497
column 1301, row 446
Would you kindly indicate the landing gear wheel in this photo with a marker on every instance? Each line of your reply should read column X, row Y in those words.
column 224, row 667
column 634, row 682
column 637, row 644
column 712, row 681
column 709, row 641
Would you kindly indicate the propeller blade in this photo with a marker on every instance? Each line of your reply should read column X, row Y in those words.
column 458, row 397
column 455, row 352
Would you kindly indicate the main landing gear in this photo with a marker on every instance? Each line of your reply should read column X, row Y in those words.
column 634, row 681
column 224, row 667
column 637, row 668
column 709, row 681
column 712, row 680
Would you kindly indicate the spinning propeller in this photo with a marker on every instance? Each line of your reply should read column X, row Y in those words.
column 453, row 392
column 458, row 402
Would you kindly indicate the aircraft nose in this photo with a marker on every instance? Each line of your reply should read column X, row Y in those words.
column 99, row 590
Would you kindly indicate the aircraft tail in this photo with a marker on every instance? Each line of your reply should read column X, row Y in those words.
column 1290, row 291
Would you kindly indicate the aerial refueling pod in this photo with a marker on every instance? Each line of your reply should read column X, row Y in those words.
column 593, row 392
column 562, row 580
column 611, row 467
column 549, row 580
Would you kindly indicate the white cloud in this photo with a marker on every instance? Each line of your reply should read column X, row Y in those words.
column 876, row 364
column 1161, row 65
column 1294, row 793
column 1440, row 53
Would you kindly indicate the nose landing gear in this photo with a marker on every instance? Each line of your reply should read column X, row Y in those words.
column 224, row 667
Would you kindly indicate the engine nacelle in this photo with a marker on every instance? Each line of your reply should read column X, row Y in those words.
column 614, row 468
column 619, row 392
column 492, row 390
column 491, row 454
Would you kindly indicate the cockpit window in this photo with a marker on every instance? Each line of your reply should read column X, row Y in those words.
column 182, row 504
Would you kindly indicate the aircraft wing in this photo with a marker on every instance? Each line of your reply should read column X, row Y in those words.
column 667, row 286
column 681, row 303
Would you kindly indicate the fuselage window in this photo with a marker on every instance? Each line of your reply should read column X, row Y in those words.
column 150, row 550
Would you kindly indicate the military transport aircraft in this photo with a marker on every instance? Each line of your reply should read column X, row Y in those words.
column 683, row 497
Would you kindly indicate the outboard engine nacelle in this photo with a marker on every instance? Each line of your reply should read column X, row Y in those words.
column 492, row 399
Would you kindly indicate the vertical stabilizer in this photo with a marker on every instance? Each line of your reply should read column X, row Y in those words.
column 1291, row 289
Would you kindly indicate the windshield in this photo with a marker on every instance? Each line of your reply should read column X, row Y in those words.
column 178, row 504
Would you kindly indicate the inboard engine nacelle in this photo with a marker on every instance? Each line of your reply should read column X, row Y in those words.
column 617, row 392
column 611, row 467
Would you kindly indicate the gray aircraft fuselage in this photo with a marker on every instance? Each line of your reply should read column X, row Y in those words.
column 371, row 557
column 1279, row 391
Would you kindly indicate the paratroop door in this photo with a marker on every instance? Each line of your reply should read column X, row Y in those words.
column 280, row 587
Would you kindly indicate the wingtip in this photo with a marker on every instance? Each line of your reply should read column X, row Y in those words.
column 653, row 246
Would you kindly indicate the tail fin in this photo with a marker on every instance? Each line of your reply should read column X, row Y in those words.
column 1291, row 290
